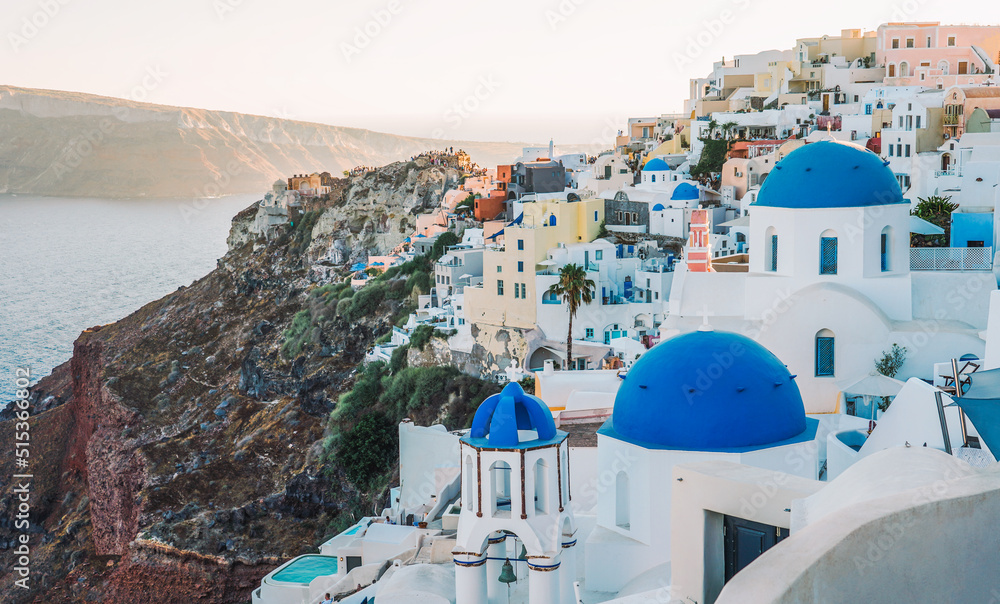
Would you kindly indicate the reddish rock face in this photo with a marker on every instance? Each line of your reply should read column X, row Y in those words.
column 115, row 470
column 156, row 478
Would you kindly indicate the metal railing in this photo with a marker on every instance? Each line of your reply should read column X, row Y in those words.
column 951, row 258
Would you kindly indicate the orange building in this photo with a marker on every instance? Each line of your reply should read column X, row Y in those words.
column 489, row 208
column 961, row 101
column 311, row 184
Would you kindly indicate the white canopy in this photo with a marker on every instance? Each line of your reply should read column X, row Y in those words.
column 922, row 227
column 874, row 385
column 742, row 221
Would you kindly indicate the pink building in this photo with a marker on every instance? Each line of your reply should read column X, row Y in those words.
column 935, row 55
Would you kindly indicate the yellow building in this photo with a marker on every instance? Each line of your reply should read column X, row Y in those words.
column 507, row 296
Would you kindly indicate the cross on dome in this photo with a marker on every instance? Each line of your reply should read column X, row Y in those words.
column 704, row 313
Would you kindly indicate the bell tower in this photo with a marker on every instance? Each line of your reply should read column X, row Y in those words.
column 515, row 504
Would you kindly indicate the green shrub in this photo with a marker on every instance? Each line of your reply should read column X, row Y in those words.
column 443, row 241
column 397, row 289
column 421, row 263
column 330, row 293
column 365, row 394
column 302, row 235
column 368, row 449
column 344, row 307
column 414, row 388
column 421, row 335
column 398, row 360
column 297, row 334
column 366, row 301
column 936, row 210
column 466, row 205
column 713, row 155
column 420, row 280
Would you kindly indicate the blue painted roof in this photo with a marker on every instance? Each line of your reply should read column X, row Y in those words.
column 501, row 416
column 707, row 391
column 656, row 165
column 829, row 174
column 685, row 191
column 658, row 207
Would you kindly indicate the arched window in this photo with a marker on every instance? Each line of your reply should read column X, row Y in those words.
column 552, row 220
column 500, row 483
column 828, row 253
column 771, row 243
column 904, row 70
column 622, row 504
column 825, row 357
column 541, row 487
column 470, row 483
column 885, row 244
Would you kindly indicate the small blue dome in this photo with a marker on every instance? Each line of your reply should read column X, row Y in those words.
column 684, row 192
column 656, row 165
column 658, row 207
column 829, row 174
column 500, row 417
column 707, row 391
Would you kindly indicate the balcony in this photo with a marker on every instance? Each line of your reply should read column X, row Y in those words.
column 951, row 258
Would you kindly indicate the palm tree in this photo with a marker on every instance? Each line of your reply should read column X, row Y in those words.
column 729, row 128
column 574, row 288
column 712, row 127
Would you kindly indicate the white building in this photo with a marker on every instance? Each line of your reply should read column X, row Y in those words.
column 630, row 295
column 830, row 263
column 515, row 491
column 702, row 396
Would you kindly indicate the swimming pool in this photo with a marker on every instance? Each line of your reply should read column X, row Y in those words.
column 355, row 529
column 306, row 568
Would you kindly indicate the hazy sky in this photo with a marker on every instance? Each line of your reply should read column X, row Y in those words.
column 522, row 70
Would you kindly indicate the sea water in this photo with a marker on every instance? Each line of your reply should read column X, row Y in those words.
column 67, row 264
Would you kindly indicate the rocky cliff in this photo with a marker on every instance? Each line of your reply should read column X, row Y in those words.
column 80, row 145
column 377, row 210
column 179, row 456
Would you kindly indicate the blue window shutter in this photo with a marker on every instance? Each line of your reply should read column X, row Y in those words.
column 824, row 356
column 828, row 256
column 885, row 252
column 774, row 252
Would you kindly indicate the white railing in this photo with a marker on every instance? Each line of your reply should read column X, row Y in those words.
column 951, row 258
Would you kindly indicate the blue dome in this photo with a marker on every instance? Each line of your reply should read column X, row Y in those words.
column 656, row 165
column 685, row 192
column 500, row 417
column 707, row 391
column 829, row 174
column 658, row 207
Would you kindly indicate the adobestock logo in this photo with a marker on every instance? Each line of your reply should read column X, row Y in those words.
column 465, row 108
column 373, row 28
column 31, row 26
